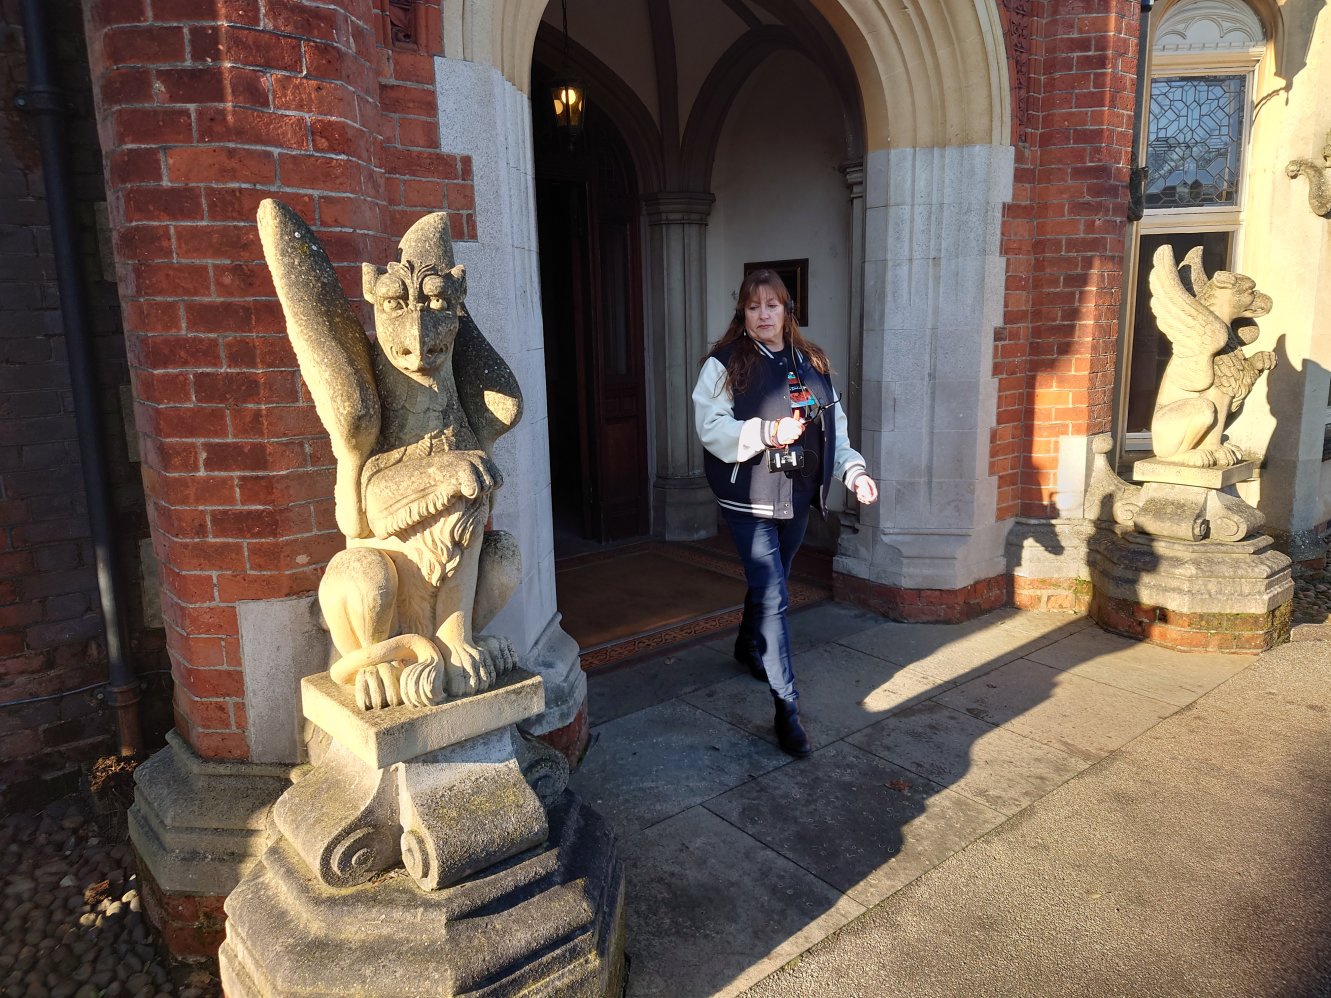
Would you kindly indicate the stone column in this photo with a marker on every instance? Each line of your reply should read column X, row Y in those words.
column 853, row 172
column 487, row 119
column 933, row 294
column 203, row 111
column 682, row 504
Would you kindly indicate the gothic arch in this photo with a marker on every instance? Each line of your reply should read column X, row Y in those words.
column 931, row 72
column 719, row 90
column 620, row 104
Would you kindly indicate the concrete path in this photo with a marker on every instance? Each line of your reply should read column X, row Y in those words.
column 1019, row 805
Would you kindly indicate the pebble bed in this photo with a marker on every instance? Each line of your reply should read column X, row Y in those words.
column 1312, row 596
column 72, row 923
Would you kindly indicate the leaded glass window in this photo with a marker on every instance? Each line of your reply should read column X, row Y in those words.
column 1193, row 154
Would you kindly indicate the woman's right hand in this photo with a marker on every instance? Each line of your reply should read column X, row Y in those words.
column 788, row 430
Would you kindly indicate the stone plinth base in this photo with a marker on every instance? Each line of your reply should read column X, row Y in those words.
column 1051, row 595
column 939, row 606
column 683, row 509
column 196, row 826
column 571, row 740
column 191, row 925
column 1227, row 597
column 549, row 921
column 1047, row 559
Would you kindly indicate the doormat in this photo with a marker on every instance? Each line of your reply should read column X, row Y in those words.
column 635, row 600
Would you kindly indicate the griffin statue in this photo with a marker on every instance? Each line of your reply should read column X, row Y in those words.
column 412, row 416
column 1208, row 376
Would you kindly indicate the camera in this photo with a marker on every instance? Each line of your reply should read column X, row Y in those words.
column 786, row 459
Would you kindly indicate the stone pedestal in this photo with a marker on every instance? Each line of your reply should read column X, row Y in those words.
column 1192, row 596
column 1187, row 504
column 416, row 856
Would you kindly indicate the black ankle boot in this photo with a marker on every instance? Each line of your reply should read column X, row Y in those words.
column 747, row 656
column 789, row 732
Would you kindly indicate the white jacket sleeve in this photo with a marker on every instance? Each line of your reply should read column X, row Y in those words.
column 847, row 464
column 730, row 439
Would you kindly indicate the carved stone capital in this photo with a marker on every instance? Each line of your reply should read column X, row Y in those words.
column 341, row 818
column 678, row 207
column 853, row 172
column 1194, row 513
column 442, row 789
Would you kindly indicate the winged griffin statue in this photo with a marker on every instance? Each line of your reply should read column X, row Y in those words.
column 1208, row 376
column 412, row 415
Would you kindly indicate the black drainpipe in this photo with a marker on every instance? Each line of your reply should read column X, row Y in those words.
column 44, row 100
column 1137, row 179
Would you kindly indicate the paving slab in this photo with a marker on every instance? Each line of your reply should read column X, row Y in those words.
column 997, row 767
column 1078, row 716
column 1191, row 862
column 856, row 821
column 654, row 763
column 812, row 626
column 1173, row 676
column 955, row 653
column 711, row 911
column 623, row 689
column 841, row 690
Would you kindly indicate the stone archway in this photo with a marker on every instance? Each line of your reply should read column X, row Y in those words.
column 931, row 74
column 933, row 88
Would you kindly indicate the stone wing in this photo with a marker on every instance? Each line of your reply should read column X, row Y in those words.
column 331, row 348
column 487, row 388
column 1234, row 373
column 1196, row 333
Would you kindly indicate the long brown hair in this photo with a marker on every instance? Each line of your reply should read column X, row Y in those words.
column 745, row 356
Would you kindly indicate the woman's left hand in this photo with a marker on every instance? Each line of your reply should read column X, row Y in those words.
column 866, row 490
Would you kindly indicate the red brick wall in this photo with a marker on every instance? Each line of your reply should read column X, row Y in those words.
column 51, row 636
column 205, row 110
column 1063, row 237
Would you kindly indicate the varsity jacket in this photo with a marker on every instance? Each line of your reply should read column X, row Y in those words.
column 732, row 431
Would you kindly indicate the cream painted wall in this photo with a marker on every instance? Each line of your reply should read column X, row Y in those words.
column 780, row 195
column 1287, row 250
column 618, row 33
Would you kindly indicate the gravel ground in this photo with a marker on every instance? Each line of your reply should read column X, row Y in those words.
column 72, row 925
column 1312, row 596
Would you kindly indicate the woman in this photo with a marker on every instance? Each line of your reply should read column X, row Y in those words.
column 761, row 407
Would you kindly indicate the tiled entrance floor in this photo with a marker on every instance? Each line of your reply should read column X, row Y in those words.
column 738, row 858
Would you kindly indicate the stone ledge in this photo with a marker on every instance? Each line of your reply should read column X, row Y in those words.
column 549, row 921
column 1154, row 470
column 381, row 738
column 554, row 657
column 1310, row 632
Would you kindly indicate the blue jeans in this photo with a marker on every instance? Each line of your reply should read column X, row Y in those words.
column 767, row 548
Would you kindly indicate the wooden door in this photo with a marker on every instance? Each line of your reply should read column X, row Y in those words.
column 618, row 401
column 591, row 292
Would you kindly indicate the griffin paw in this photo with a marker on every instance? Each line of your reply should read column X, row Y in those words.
column 377, row 686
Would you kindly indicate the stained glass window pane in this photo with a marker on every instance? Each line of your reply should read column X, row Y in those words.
column 1193, row 153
